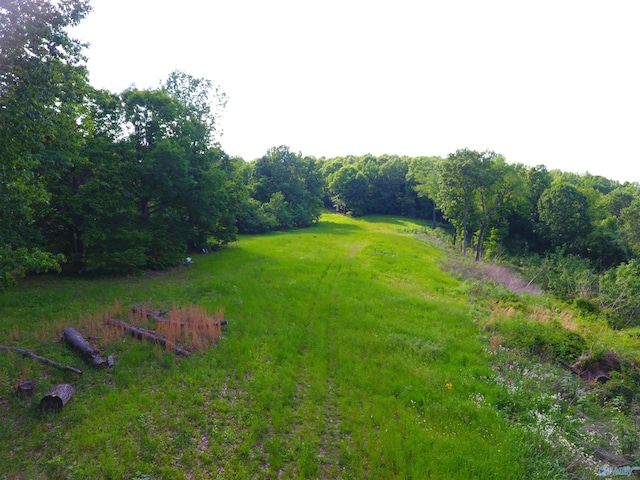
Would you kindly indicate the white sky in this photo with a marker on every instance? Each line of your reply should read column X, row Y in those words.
column 553, row 82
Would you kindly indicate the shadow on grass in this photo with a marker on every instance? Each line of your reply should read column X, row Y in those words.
column 331, row 228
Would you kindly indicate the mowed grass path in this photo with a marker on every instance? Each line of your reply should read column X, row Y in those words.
column 348, row 354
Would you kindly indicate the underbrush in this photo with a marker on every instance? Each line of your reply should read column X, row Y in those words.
column 590, row 427
column 588, row 424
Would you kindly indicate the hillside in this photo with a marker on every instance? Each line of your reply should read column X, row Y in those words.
column 349, row 353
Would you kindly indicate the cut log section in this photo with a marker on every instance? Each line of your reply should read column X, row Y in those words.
column 57, row 398
column 141, row 333
column 29, row 353
column 77, row 341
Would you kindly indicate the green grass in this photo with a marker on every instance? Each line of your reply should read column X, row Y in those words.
column 349, row 354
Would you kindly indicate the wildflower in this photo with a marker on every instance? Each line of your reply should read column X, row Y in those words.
column 449, row 385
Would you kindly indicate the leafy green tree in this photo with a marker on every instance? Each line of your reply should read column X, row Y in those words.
column 369, row 184
column 630, row 225
column 42, row 78
column 519, row 215
column 458, row 177
column 184, row 190
column 496, row 182
column 422, row 177
column 148, row 183
column 619, row 199
column 296, row 179
column 605, row 245
column 349, row 190
column 564, row 216
column 538, row 180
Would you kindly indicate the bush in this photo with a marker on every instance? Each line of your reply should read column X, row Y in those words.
column 587, row 306
column 568, row 276
column 255, row 219
column 545, row 340
column 620, row 292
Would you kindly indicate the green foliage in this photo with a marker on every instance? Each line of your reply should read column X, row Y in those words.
column 545, row 340
column 630, row 225
column 348, row 189
column 15, row 263
column 472, row 188
column 605, row 245
column 564, row 216
column 255, row 217
column 383, row 185
column 41, row 85
column 288, row 188
column 457, row 183
column 620, row 292
column 587, row 306
column 145, row 185
column 568, row 276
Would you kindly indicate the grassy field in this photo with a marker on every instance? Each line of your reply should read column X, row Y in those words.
column 349, row 353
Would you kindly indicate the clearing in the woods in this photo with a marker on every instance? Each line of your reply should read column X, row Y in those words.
column 348, row 353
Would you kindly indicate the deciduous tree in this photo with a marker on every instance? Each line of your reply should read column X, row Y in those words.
column 42, row 78
column 564, row 216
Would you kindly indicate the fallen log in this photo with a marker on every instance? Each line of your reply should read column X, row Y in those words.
column 158, row 316
column 29, row 353
column 57, row 398
column 141, row 333
column 77, row 341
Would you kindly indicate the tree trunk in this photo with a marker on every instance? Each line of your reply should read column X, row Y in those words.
column 90, row 354
column 141, row 333
column 434, row 224
column 464, row 228
column 158, row 316
column 57, row 398
column 480, row 240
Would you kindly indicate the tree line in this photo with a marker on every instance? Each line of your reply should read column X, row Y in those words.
column 94, row 181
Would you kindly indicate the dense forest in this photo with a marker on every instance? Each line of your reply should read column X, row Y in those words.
column 99, row 182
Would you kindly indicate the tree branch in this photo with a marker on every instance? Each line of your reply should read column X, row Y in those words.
column 29, row 353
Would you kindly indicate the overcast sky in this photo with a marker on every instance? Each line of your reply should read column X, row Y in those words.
column 553, row 82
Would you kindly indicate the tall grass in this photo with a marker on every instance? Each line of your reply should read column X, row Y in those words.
column 349, row 353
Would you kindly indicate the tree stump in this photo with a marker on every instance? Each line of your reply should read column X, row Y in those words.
column 57, row 398
column 26, row 389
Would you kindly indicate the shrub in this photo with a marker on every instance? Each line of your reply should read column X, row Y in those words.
column 546, row 340
column 620, row 292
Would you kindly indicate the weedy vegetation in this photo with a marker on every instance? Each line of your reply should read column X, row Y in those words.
column 350, row 352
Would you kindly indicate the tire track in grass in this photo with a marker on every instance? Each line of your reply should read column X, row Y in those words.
column 330, row 454
column 317, row 409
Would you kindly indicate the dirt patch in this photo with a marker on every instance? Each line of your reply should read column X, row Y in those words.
column 508, row 278
column 490, row 272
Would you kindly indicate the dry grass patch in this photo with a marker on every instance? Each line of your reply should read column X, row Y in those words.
column 190, row 327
